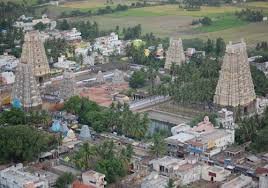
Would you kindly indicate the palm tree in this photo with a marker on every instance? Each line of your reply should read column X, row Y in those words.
column 170, row 183
column 84, row 156
column 158, row 148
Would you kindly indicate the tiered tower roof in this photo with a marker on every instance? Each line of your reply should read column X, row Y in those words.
column 118, row 76
column 235, row 86
column 25, row 88
column 68, row 85
column 33, row 52
column 175, row 53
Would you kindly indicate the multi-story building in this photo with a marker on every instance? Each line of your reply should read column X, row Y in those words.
column 185, row 171
column 109, row 45
column 72, row 35
column 226, row 119
column 241, row 181
column 214, row 173
column 16, row 177
column 203, row 140
column 94, row 178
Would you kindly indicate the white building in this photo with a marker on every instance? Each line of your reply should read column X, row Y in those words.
column 226, row 119
column 203, row 139
column 72, row 35
column 63, row 63
column 263, row 181
column 8, row 62
column 109, row 45
column 94, row 179
column 241, row 181
column 7, row 77
column 214, row 173
column 261, row 104
column 154, row 180
column 27, row 23
column 185, row 171
column 16, row 177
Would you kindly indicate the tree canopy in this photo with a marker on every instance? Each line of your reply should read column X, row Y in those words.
column 118, row 118
column 105, row 158
column 23, row 143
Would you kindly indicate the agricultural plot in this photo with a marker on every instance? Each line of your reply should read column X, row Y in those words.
column 171, row 20
column 93, row 4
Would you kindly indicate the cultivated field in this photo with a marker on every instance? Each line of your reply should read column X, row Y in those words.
column 171, row 20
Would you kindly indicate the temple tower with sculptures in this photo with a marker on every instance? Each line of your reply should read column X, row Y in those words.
column 33, row 52
column 68, row 85
column 175, row 53
column 25, row 88
column 235, row 86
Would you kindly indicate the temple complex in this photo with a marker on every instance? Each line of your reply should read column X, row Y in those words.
column 25, row 88
column 33, row 52
column 68, row 85
column 175, row 53
column 118, row 77
column 235, row 86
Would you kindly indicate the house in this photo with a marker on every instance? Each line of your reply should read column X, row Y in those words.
column 63, row 63
column 214, row 173
column 241, row 181
column 109, row 45
column 226, row 119
column 28, row 23
column 7, row 77
column 261, row 104
column 202, row 140
column 263, row 180
column 73, row 35
column 78, row 184
column 186, row 171
column 15, row 176
column 156, row 181
column 94, row 178
column 8, row 62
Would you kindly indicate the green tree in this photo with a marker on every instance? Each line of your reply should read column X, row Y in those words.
column 170, row 183
column 259, row 80
column 22, row 143
column 137, row 79
column 220, row 47
column 158, row 149
column 84, row 156
column 40, row 26
column 13, row 116
column 64, row 180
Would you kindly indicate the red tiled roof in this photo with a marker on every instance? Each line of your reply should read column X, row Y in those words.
column 261, row 170
column 78, row 184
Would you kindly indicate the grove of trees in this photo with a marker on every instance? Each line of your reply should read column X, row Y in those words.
column 118, row 118
column 105, row 158
column 253, row 129
column 23, row 143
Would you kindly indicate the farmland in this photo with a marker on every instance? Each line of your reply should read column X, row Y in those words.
column 171, row 20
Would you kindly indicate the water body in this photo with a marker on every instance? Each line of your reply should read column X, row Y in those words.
column 156, row 125
column 164, row 121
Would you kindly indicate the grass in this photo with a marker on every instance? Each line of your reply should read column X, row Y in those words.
column 29, row 2
column 170, row 20
column 221, row 23
column 259, row 4
column 167, row 10
column 93, row 4
column 252, row 33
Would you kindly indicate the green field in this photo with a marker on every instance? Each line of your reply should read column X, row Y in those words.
column 171, row 20
column 222, row 22
column 29, row 2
